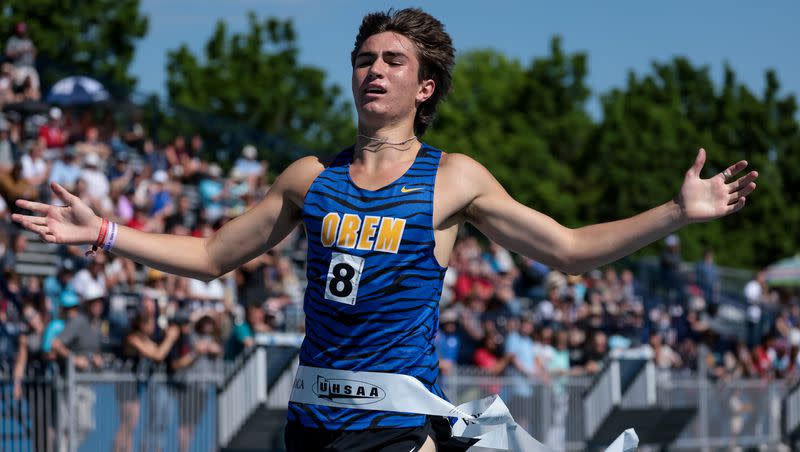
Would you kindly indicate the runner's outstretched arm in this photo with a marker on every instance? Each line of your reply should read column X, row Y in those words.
column 237, row 242
column 575, row 251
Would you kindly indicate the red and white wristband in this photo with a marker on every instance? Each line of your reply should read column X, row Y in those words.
column 105, row 238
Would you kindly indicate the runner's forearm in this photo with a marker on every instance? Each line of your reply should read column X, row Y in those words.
column 180, row 255
column 600, row 244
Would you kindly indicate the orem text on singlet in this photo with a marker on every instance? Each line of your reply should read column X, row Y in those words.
column 372, row 233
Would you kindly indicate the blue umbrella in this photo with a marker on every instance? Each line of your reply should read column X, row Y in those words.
column 77, row 90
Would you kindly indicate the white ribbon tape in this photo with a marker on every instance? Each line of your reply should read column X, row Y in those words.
column 487, row 420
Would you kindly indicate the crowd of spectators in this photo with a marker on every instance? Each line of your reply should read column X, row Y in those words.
column 104, row 311
column 503, row 314
column 512, row 317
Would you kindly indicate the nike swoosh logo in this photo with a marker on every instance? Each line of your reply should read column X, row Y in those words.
column 409, row 190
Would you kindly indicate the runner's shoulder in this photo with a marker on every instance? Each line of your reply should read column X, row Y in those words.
column 461, row 167
column 298, row 177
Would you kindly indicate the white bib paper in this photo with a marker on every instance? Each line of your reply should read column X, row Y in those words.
column 487, row 420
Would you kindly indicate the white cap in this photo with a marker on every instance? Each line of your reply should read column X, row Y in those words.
column 160, row 176
column 55, row 113
column 93, row 292
column 92, row 159
column 672, row 240
column 214, row 170
column 250, row 152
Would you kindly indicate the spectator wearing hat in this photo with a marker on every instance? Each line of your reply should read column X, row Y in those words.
column 81, row 341
column 7, row 147
column 247, row 164
column 213, row 193
column 448, row 341
column 35, row 170
column 121, row 173
column 160, row 197
column 66, row 171
column 707, row 277
column 68, row 302
column 21, row 51
column 6, row 83
column 96, row 183
column 546, row 309
column 93, row 279
column 55, row 285
column 672, row 280
column 51, row 132
column 82, row 335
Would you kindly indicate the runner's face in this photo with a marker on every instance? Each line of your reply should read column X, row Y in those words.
column 386, row 86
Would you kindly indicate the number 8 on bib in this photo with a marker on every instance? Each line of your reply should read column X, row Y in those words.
column 344, row 273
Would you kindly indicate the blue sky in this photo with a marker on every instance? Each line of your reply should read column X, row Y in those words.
column 618, row 36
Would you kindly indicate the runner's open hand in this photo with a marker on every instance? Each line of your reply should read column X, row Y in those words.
column 71, row 224
column 721, row 195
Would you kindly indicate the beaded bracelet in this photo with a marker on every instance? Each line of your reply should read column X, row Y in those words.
column 101, row 236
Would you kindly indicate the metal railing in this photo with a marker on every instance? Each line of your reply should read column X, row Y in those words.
column 28, row 420
column 743, row 413
column 601, row 397
column 68, row 411
column 242, row 393
column 63, row 410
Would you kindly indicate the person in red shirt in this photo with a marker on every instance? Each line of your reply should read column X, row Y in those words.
column 492, row 359
column 53, row 134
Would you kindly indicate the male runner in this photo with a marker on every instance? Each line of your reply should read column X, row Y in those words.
column 381, row 219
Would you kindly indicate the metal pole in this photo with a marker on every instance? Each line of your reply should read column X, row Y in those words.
column 70, row 414
column 702, row 386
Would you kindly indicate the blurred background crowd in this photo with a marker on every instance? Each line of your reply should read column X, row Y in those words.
column 500, row 313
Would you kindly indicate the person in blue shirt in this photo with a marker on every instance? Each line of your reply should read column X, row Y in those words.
column 66, row 171
column 448, row 342
column 68, row 300
column 707, row 277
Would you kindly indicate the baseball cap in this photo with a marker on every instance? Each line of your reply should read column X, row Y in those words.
column 69, row 299
column 160, row 176
column 92, row 159
column 672, row 240
column 93, row 292
column 250, row 151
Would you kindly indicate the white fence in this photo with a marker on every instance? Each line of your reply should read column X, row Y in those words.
column 108, row 410
column 95, row 411
column 730, row 413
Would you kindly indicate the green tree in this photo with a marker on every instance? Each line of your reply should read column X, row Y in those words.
column 254, row 79
column 528, row 125
column 651, row 131
column 88, row 37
